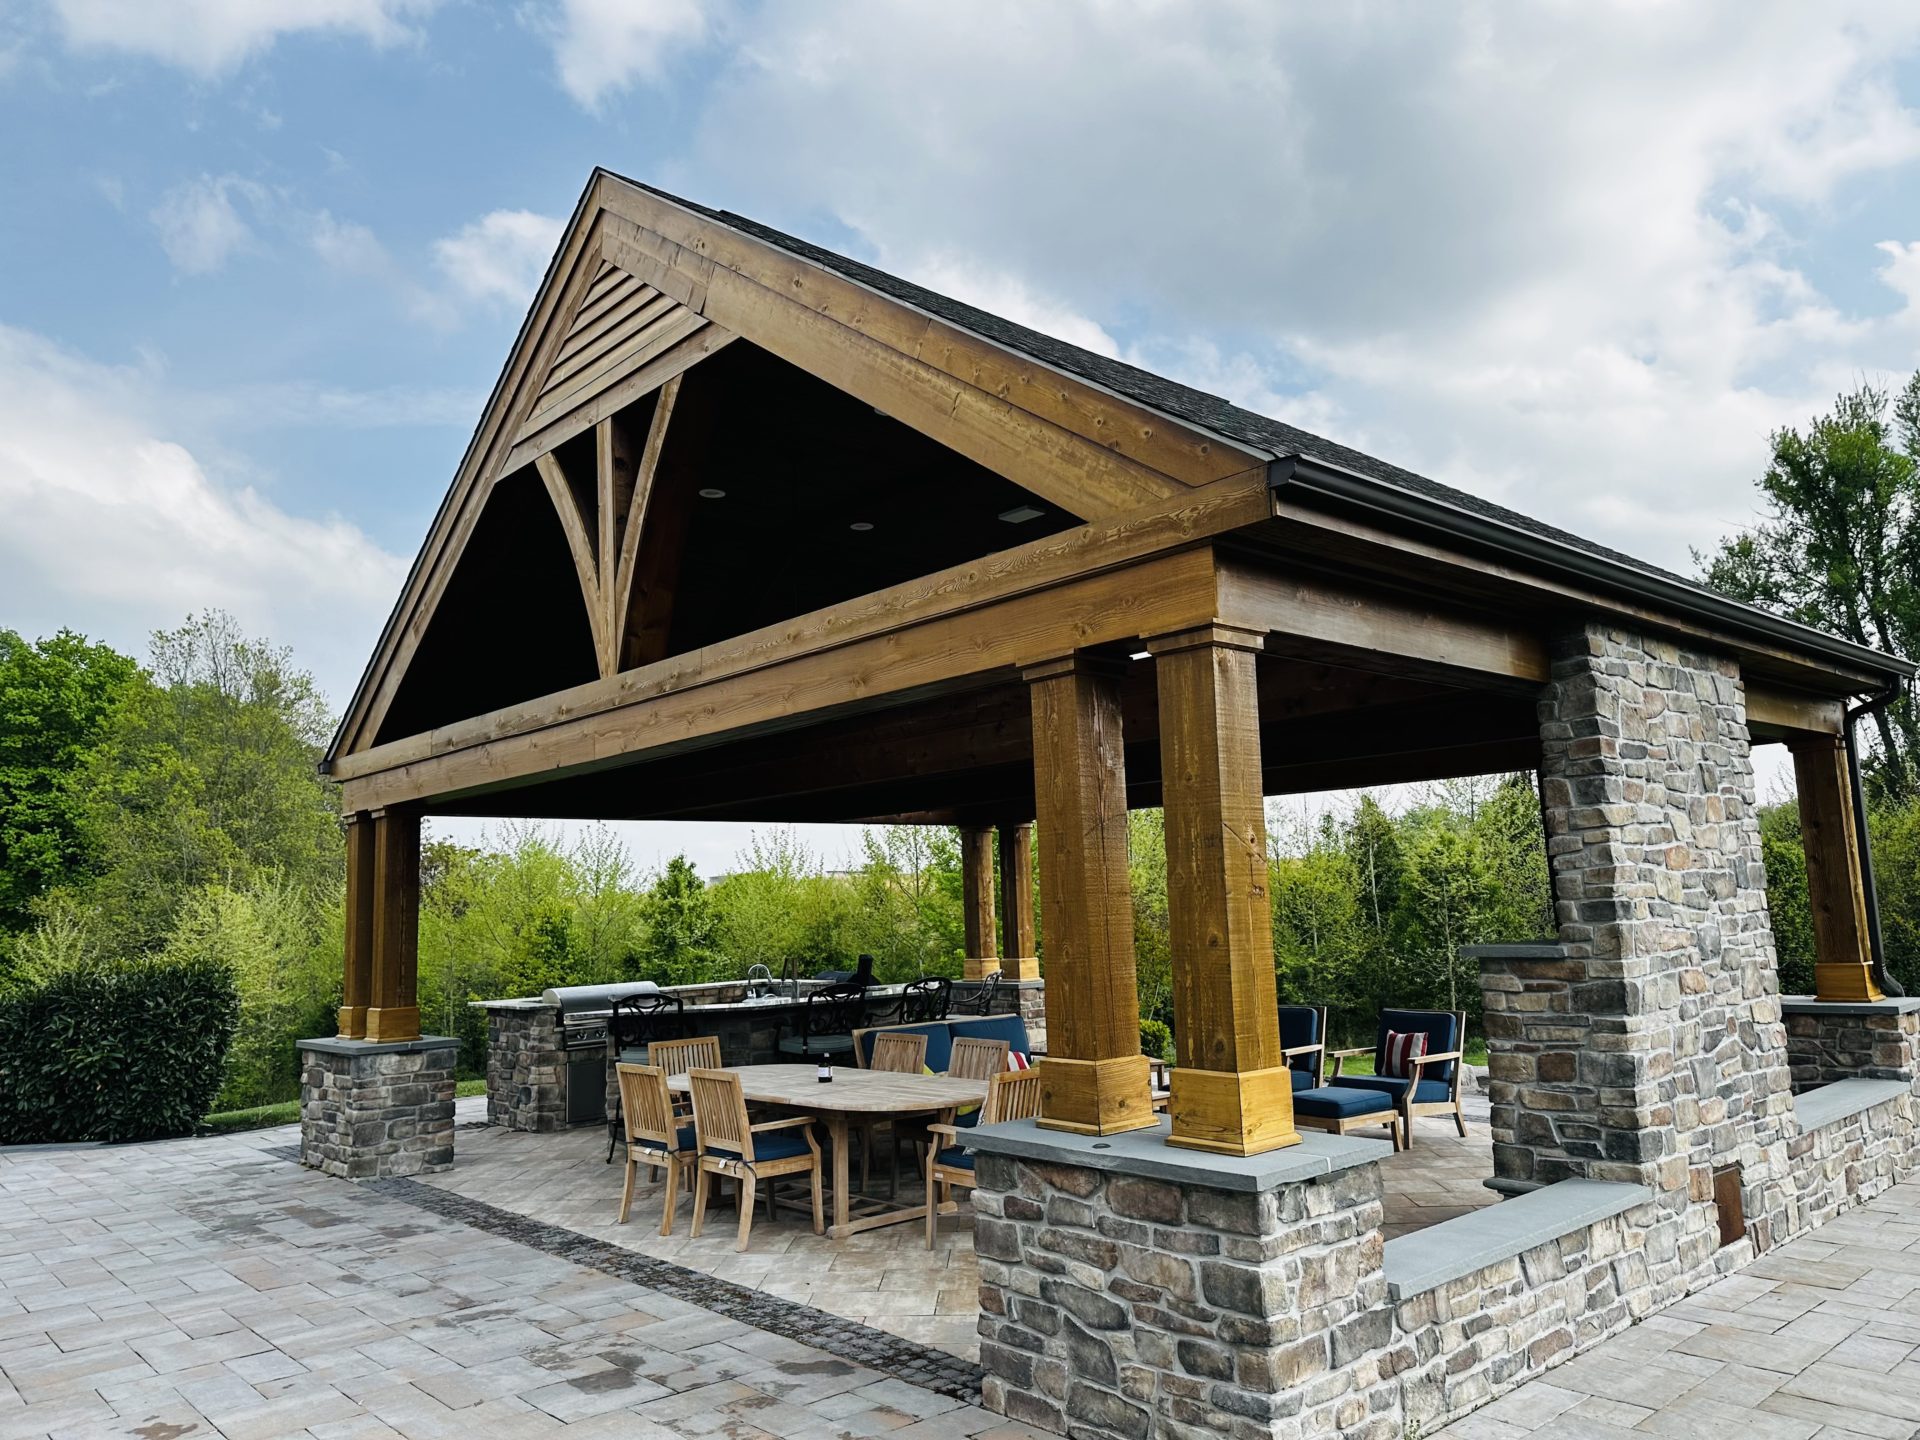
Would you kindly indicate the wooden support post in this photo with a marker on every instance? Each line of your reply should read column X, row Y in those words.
column 392, row 1012
column 358, row 981
column 1094, row 1079
column 1842, row 955
column 1018, row 958
column 976, row 901
column 1232, row 1093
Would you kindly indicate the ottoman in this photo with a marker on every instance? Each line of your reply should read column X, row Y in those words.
column 1337, row 1109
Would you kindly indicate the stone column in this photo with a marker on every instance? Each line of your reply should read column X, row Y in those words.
column 1141, row 1291
column 1231, row 1091
column 1017, row 958
column 370, row 1110
column 976, row 902
column 1836, row 893
column 1647, row 789
column 1094, row 1078
column 357, row 983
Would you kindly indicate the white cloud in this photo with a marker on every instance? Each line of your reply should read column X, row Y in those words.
column 200, row 227
column 500, row 257
column 209, row 37
column 601, row 47
column 115, row 529
column 347, row 246
column 1564, row 255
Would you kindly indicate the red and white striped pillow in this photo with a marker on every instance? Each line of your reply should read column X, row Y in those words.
column 1017, row 1061
column 1400, row 1051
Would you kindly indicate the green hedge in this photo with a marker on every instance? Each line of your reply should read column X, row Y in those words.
column 115, row 1052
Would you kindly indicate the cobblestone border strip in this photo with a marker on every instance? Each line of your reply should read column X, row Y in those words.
column 907, row 1360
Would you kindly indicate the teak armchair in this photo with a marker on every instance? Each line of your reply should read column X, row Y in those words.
column 731, row 1146
column 658, row 1135
column 1011, row 1095
column 900, row 1052
column 1434, row 1086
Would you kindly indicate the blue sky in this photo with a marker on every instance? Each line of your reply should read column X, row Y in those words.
column 259, row 263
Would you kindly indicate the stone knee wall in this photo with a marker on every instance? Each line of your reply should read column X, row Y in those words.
column 526, row 1068
column 369, row 1110
column 1115, row 1305
column 1829, row 1042
column 1033, row 1011
column 1660, row 896
column 1850, row 1160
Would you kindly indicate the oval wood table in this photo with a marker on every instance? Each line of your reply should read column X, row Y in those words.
column 851, row 1095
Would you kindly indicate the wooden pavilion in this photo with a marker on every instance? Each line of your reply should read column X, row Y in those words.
column 749, row 530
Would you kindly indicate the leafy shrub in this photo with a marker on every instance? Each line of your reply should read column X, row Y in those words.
column 115, row 1052
column 1156, row 1039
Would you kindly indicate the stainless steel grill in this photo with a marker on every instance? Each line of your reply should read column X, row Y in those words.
column 585, row 1010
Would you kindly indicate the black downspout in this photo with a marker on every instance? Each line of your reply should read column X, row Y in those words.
column 1877, row 953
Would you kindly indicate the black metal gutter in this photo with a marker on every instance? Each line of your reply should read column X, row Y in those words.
column 1456, row 523
column 1876, row 943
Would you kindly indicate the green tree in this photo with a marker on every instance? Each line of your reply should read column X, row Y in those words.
column 682, row 927
column 57, row 698
column 1152, row 931
column 1839, row 546
column 207, row 776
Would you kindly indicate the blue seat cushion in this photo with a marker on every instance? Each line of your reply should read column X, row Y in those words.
column 773, row 1145
column 955, row 1157
column 1442, row 1035
column 939, row 1043
column 1010, row 1028
column 683, row 1140
column 1302, row 1080
column 1431, row 1092
column 1340, row 1102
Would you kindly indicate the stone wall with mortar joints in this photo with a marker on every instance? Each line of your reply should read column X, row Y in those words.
column 1660, row 898
column 526, row 1069
column 370, row 1112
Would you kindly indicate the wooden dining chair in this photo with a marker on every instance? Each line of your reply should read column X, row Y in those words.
column 1011, row 1095
column 731, row 1146
column 902, row 1052
column 975, row 1058
column 677, row 1057
column 658, row 1135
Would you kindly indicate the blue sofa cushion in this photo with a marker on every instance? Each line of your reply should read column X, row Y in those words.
column 1431, row 1092
column 1339, row 1102
column 1442, row 1035
column 955, row 1157
column 774, row 1145
column 1299, row 1025
column 939, row 1043
column 1010, row 1028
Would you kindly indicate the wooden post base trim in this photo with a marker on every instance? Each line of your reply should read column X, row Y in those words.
column 1844, row 980
column 1096, row 1097
column 979, row 968
column 396, row 1022
column 353, row 1022
column 1025, row 967
column 1244, row 1112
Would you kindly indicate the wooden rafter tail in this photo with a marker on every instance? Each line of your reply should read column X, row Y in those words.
column 581, row 544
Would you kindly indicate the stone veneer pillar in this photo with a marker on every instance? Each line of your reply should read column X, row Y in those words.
column 1669, row 972
column 1130, row 1289
column 371, row 1109
column 526, row 1068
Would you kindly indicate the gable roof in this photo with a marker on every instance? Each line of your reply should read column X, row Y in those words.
column 1332, row 470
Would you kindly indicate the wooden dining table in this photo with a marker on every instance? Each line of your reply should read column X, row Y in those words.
column 853, row 1095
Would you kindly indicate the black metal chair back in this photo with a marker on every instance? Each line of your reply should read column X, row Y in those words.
column 986, row 996
column 927, row 999
column 641, row 1019
column 834, row 1010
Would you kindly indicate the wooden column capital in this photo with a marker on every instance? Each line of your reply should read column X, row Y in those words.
column 1080, row 662
column 1210, row 637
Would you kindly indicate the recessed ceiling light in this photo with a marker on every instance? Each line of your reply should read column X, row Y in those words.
column 712, row 492
column 1020, row 514
column 862, row 525
column 1141, row 655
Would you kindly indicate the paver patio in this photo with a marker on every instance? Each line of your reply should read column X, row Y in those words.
column 212, row 1287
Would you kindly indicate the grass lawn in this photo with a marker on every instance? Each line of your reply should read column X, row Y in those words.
column 288, row 1111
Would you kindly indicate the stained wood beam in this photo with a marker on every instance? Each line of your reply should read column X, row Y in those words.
column 1232, row 1092
column 582, row 547
column 1094, row 1079
column 642, row 494
column 1836, row 891
column 1774, row 713
column 616, row 459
